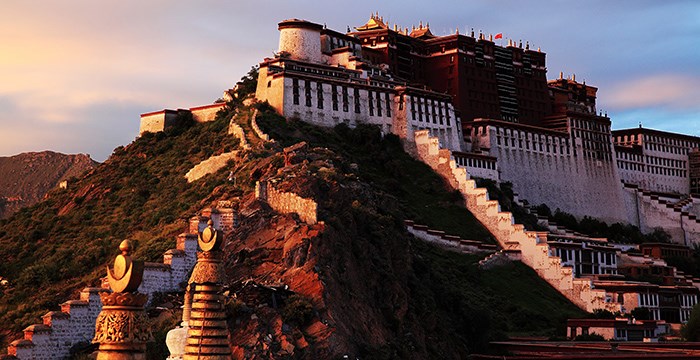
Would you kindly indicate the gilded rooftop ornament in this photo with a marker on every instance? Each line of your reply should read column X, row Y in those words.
column 127, row 274
column 122, row 328
column 210, row 239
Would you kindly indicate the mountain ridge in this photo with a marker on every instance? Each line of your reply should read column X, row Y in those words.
column 27, row 177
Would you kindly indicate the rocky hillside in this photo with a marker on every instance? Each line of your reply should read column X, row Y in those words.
column 357, row 283
column 27, row 177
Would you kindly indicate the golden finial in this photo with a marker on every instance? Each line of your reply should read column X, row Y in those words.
column 127, row 273
column 210, row 238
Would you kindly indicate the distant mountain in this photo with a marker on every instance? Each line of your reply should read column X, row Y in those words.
column 27, row 177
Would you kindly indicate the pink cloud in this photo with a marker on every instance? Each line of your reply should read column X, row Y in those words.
column 671, row 91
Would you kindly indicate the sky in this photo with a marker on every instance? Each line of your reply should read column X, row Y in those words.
column 76, row 74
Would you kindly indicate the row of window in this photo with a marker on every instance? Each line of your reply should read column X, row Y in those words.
column 667, row 171
column 432, row 109
column 590, row 125
column 477, row 163
column 648, row 300
column 540, row 142
column 666, row 148
column 624, row 165
column 381, row 100
column 666, row 162
column 628, row 156
column 325, row 72
column 596, row 257
column 688, row 300
column 654, row 139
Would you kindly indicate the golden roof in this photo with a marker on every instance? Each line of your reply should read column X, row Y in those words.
column 374, row 22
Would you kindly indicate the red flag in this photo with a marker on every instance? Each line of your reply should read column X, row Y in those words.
column 498, row 36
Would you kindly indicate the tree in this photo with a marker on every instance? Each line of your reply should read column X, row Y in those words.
column 691, row 330
column 641, row 313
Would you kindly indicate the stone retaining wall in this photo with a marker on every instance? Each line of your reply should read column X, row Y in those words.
column 237, row 131
column 287, row 202
column 209, row 166
column 448, row 242
column 254, row 124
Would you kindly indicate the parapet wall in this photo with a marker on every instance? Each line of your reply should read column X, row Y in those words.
column 237, row 131
column 206, row 113
column 60, row 330
column 254, row 124
column 448, row 242
column 209, row 166
column 287, row 202
column 160, row 120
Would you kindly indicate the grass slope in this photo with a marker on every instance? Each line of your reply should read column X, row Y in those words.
column 53, row 249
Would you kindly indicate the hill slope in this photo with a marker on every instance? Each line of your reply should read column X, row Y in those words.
column 27, row 177
column 357, row 284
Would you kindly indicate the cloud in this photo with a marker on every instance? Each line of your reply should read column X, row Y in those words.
column 60, row 61
column 681, row 122
column 671, row 91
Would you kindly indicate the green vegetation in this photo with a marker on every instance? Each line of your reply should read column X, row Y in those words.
column 53, row 249
column 381, row 161
column 508, row 300
column 691, row 330
column 589, row 337
column 504, row 194
column 621, row 233
column 297, row 310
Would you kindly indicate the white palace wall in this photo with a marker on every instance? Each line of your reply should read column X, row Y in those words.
column 544, row 170
column 325, row 102
column 649, row 212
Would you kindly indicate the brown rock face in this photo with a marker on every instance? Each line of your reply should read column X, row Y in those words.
column 339, row 287
column 27, row 177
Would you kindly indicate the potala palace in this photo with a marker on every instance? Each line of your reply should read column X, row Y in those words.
column 470, row 108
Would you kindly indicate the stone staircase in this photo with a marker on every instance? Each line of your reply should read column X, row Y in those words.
column 533, row 247
column 75, row 323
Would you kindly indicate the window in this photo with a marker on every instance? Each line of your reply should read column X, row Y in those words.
column 307, row 91
column 356, row 94
column 295, row 91
column 371, row 103
column 388, row 104
column 345, row 99
column 334, row 95
column 379, row 104
column 319, row 95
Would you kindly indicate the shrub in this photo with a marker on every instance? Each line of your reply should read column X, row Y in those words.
column 297, row 310
column 589, row 337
